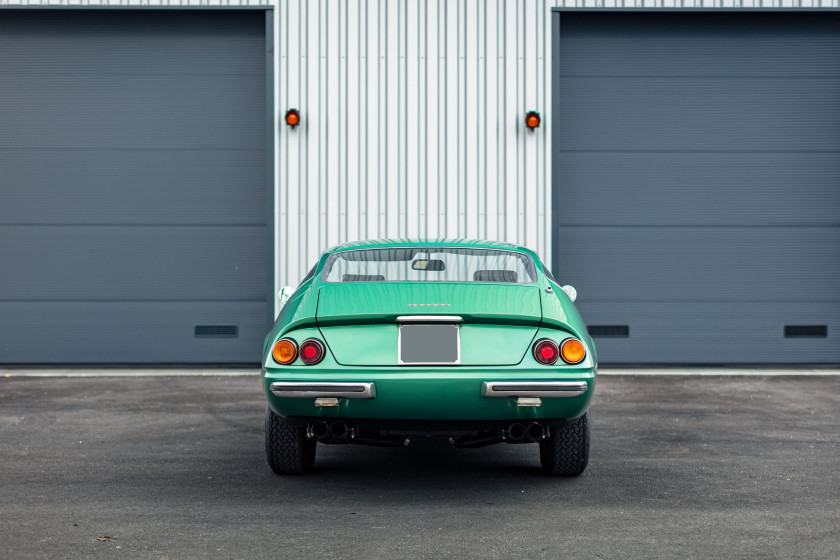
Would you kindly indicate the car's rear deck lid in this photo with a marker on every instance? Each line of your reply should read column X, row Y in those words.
column 383, row 302
column 361, row 322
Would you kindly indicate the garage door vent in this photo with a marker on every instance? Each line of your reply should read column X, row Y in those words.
column 612, row 331
column 216, row 331
column 806, row 331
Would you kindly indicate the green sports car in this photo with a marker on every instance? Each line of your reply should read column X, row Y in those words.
column 387, row 340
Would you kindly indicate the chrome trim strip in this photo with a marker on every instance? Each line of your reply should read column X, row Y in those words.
column 315, row 390
column 544, row 389
column 429, row 319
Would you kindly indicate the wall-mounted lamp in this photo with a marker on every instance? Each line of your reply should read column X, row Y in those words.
column 292, row 117
column 532, row 119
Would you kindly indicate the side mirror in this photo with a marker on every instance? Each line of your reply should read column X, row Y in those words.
column 285, row 293
column 570, row 291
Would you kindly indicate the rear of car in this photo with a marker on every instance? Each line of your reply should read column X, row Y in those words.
column 388, row 342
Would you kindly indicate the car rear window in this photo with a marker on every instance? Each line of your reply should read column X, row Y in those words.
column 430, row 264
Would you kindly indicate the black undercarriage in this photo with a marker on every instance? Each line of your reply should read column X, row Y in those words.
column 395, row 433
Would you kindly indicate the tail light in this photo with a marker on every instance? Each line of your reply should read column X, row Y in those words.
column 546, row 351
column 573, row 351
column 312, row 351
column 284, row 351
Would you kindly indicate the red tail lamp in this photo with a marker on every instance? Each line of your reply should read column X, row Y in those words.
column 532, row 119
column 572, row 351
column 292, row 117
column 312, row 351
column 284, row 351
column 546, row 351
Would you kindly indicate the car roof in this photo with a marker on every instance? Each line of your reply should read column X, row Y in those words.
column 439, row 242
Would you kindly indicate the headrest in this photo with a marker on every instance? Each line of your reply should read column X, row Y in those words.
column 363, row 278
column 506, row 276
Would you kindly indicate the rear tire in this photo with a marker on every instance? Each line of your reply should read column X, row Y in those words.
column 566, row 451
column 287, row 448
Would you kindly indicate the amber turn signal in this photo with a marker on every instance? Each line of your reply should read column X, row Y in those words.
column 532, row 119
column 292, row 117
column 284, row 351
column 572, row 351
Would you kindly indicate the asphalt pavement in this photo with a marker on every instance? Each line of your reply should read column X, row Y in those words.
column 173, row 467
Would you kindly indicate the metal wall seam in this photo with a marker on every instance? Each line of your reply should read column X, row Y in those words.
column 509, row 83
column 472, row 106
column 488, row 118
column 352, row 152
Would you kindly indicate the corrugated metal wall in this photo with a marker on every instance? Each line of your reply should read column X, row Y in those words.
column 412, row 123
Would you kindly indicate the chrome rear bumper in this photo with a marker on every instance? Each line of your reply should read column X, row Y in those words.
column 367, row 390
column 544, row 389
column 314, row 390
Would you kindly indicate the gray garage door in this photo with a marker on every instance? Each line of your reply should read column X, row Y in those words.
column 697, row 184
column 133, row 186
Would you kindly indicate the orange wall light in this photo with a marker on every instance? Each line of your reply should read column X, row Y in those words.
column 532, row 119
column 292, row 117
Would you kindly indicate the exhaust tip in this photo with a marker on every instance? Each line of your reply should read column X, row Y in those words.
column 516, row 431
column 319, row 430
column 534, row 432
column 339, row 430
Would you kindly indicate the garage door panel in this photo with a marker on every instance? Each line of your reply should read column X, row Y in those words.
column 700, row 264
column 72, row 332
column 136, row 195
column 716, row 332
column 135, row 263
column 708, row 114
column 133, row 112
column 709, row 189
column 749, row 45
column 696, row 176
column 150, row 42
column 132, row 187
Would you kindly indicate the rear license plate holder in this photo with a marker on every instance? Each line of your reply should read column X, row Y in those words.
column 429, row 345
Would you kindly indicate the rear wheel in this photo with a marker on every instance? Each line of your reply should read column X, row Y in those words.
column 566, row 451
column 287, row 448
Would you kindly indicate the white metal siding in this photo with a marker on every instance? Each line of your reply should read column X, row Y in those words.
column 412, row 123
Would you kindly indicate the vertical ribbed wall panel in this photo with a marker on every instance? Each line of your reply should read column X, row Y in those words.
column 412, row 123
